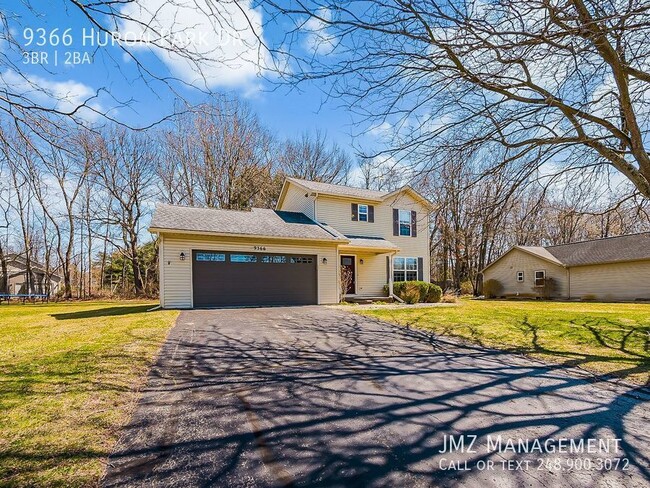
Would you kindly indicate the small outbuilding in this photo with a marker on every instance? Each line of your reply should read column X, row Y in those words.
column 610, row 269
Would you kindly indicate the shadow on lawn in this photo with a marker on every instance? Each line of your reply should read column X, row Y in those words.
column 630, row 345
column 326, row 398
column 605, row 334
column 102, row 312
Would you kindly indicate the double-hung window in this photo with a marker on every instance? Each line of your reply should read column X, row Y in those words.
column 363, row 213
column 405, row 269
column 520, row 276
column 540, row 278
column 405, row 222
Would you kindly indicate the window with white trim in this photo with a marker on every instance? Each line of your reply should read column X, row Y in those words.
column 520, row 276
column 363, row 213
column 405, row 269
column 540, row 278
column 405, row 222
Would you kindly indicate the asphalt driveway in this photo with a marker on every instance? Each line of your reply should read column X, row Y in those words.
column 314, row 396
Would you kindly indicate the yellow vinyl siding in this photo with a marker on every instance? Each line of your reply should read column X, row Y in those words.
column 296, row 201
column 505, row 271
column 337, row 212
column 371, row 275
column 615, row 281
column 176, row 275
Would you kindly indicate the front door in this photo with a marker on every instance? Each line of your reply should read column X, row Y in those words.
column 349, row 274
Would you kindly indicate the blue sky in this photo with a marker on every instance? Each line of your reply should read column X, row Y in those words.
column 285, row 110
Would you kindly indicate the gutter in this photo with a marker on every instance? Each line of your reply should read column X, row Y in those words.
column 158, row 230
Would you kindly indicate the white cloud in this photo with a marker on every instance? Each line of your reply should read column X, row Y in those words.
column 382, row 130
column 319, row 40
column 64, row 96
column 205, row 43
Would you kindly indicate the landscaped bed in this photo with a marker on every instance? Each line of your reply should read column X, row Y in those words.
column 70, row 374
column 605, row 338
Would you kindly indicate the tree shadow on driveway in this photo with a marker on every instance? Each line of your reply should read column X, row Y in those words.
column 317, row 397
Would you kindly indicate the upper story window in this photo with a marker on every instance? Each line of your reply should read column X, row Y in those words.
column 362, row 212
column 405, row 222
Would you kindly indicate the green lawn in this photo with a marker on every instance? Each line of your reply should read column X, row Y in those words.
column 69, row 378
column 601, row 337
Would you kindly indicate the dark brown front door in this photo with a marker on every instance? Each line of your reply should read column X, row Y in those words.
column 347, row 263
column 227, row 278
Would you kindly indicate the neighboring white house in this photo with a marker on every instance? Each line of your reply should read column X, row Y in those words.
column 293, row 254
column 615, row 268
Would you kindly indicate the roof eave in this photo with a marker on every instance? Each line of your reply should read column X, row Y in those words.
column 283, row 192
column 369, row 248
column 350, row 197
column 161, row 230
column 332, row 194
column 417, row 195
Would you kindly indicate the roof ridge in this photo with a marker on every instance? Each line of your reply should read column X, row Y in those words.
column 293, row 178
column 194, row 207
column 595, row 240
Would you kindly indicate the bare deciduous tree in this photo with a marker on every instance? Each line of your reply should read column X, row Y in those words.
column 219, row 156
column 563, row 83
column 125, row 170
column 312, row 158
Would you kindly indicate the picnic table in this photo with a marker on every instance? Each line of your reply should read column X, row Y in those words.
column 32, row 297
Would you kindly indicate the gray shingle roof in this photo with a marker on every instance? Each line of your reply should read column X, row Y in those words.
column 610, row 250
column 256, row 222
column 346, row 191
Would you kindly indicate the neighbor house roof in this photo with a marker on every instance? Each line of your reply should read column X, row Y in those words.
column 351, row 192
column 18, row 262
column 256, row 222
column 633, row 247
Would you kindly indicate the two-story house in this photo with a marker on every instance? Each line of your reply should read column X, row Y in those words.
column 295, row 254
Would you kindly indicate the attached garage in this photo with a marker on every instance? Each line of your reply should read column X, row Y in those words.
column 222, row 258
column 225, row 278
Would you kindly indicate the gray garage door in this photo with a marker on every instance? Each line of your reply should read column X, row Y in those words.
column 223, row 278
